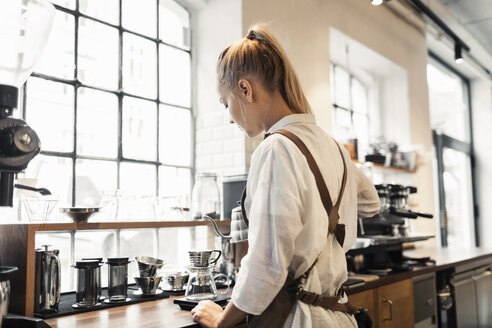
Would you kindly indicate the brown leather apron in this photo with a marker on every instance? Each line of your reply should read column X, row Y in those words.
column 278, row 311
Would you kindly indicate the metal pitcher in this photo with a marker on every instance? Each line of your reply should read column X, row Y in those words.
column 5, row 275
column 239, row 229
column 48, row 280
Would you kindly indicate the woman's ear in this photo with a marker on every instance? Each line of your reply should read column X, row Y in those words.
column 245, row 90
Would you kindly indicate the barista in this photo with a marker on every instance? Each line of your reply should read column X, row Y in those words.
column 288, row 224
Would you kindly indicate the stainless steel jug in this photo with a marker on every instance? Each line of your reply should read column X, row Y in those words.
column 48, row 280
column 5, row 273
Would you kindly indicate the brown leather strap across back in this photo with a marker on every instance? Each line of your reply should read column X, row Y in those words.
column 293, row 289
column 331, row 210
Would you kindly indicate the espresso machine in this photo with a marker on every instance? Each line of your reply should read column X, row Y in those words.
column 379, row 246
column 24, row 29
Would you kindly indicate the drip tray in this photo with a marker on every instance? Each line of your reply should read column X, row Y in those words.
column 67, row 299
column 188, row 305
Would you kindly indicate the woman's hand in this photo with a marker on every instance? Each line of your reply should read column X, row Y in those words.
column 208, row 314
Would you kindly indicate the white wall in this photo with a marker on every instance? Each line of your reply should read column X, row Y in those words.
column 304, row 29
column 220, row 146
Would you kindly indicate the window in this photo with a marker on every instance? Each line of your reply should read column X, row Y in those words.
column 350, row 108
column 450, row 123
column 111, row 101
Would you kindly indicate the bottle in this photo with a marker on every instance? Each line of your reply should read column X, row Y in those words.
column 205, row 197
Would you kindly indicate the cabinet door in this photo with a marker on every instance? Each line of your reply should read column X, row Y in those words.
column 465, row 300
column 366, row 300
column 483, row 281
column 395, row 305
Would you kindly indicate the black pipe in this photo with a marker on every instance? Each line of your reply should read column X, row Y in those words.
column 440, row 23
column 6, row 188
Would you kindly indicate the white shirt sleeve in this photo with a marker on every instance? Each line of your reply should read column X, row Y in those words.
column 275, row 222
column 367, row 197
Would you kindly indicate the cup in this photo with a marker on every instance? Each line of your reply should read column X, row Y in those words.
column 148, row 285
column 203, row 259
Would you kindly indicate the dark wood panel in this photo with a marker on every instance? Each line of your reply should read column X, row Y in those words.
column 13, row 252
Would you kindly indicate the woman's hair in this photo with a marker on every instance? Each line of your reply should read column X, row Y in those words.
column 259, row 54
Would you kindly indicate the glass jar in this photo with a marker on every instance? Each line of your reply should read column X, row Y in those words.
column 113, row 205
column 205, row 197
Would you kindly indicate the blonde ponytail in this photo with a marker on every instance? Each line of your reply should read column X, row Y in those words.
column 259, row 54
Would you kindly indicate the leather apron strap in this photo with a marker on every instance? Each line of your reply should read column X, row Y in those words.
column 332, row 211
column 278, row 311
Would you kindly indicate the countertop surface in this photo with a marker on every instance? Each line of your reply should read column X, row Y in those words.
column 160, row 313
column 444, row 258
column 163, row 313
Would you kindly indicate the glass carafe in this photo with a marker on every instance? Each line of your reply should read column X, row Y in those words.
column 201, row 284
column 206, row 197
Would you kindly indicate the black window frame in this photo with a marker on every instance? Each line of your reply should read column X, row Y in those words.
column 442, row 141
column 120, row 93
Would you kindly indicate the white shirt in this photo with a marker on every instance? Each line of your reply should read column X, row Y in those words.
column 288, row 224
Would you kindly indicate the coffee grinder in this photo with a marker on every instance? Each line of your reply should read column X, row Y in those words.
column 24, row 29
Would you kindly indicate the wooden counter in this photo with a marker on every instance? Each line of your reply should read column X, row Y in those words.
column 163, row 313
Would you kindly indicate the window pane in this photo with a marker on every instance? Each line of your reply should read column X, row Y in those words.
column 58, row 56
column 174, row 76
column 138, row 179
column 359, row 97
column 458, row 195
column 178, row 242
column 139, row 129
column 139, row 66
column 107, row 10
column 361, row 130
column 174, row 24
column 332, row 83
column 98, row 54
column 97, row 123
column 93, row 177
column 90, row 244
column 64, row 3
column 361, row 126
column 140, row 16
column 49, row 111
column 174, row 182
column 61, row 242
column 447, row 103
column 139, row 242
column 174, row 122
column 343, row 124
column 53, row 173
column 342, row 87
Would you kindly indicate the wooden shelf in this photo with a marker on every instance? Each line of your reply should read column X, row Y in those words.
column 384, row 167
column 118, row 225
column 17, row 248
